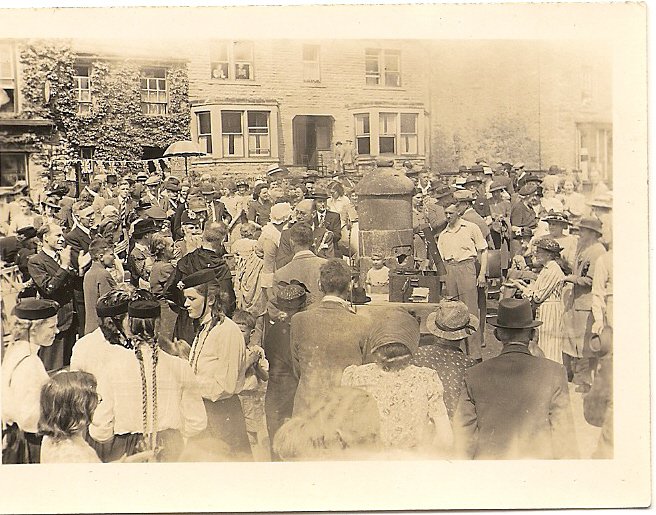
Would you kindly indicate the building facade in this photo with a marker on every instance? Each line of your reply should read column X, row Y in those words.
column 63, row 103
column 258, row 103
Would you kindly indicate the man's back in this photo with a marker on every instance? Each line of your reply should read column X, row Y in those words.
column 515, row 406
column 325, row 340
column 303, row 267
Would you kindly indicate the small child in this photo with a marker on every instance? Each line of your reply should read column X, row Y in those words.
column 377, row 280
column 252, row 394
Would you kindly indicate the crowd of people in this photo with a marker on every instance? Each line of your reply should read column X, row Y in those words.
column 204, row 319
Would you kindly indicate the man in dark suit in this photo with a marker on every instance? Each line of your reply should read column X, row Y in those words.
column 326, row 338
column 216, row 210
column 328, row 219
column 53, row 274
column 78, row 239
column 322, row 238
column 516, row 405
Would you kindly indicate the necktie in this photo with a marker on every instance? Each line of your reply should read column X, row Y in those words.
column 321, row 217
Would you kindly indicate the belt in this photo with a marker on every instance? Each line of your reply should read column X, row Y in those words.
column 455, row 262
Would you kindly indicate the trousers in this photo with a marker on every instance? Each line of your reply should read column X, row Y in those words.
column 461, row 285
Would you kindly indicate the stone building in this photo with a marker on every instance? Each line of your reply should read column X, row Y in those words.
column 62, row 101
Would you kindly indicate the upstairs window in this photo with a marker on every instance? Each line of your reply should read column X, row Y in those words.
column 8, row 100
column 382, row 67
column 231, row 60
column 83, row 88
column 362, row 134
column 13, row 168
column 154, row 99
column 311, row 66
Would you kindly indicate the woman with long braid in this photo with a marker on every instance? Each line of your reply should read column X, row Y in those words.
column 149, row 398
column 219, row 359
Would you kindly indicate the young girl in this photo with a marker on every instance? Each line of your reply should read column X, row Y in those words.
column 252, row 395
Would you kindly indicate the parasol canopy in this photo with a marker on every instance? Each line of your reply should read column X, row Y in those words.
column 184, row 149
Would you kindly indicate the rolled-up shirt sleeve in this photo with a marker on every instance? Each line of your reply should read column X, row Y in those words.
column 194, row 416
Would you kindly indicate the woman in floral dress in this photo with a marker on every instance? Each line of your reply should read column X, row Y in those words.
column 410, row 398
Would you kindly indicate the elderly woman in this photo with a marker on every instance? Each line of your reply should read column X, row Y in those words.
column 23, row 375
column 219, row 359
column 546, row 294
column 410, row 398
column 150, row 400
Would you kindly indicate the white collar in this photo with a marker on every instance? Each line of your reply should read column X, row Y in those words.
column 50, row 253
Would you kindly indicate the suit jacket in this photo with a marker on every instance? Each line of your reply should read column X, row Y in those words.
column 325, row 340
column 305, row 268
column 218, row 212
column 55, row 283
column 97, row 282
column 320, row 235
column 521, row 215
column 332, row 222
column 78, row 240
column 515, row 406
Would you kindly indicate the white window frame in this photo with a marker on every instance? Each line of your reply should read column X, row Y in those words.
column 218, row 146
column 403, row 136
column 376, row 130
column 364, row 135
column 225, row 147
column 312, row 67
column 232, row 61
column 391, row 132
column 8, row 80
column 380, row 76
column 83, row 106
column 161, row 105
column 256, row 132
column 205, row 138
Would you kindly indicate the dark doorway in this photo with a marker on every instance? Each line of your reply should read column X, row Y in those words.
column 152, row 153
column 312, row 139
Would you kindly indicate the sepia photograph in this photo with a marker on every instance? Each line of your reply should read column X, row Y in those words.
column 324, row 257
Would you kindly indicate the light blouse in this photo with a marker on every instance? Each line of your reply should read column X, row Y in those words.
column 218, row 357
column 409, row 401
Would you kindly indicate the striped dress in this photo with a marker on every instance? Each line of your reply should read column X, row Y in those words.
column 546, row 292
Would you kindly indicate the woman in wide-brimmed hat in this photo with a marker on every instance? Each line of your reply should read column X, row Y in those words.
column 546, row 293
column 410, row 398
column 451, row 324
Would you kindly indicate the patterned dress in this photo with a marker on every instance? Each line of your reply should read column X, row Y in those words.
column 409, row 400
column 450, row 363
column 546, row 292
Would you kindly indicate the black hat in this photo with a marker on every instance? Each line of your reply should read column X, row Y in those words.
column 531, row 178
column 200, row 277
column 471, row 179
column 59, row 191
column 514, row 314
column 27, row 232
column 528, row 189
column 105, row 309
column 143, row 227
column 190, row 218
column 359, row 296
column 144, row 203
column 144, row 309
column 442, row 191
column 319, row 195
column 292, row 295
column 36, row 309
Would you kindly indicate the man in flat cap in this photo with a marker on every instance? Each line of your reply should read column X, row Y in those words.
column 522, row 215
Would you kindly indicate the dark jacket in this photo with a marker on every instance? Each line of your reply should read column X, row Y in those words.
column 332, row 222
column 320, row 235
column 55, row 283
column 515, row 406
